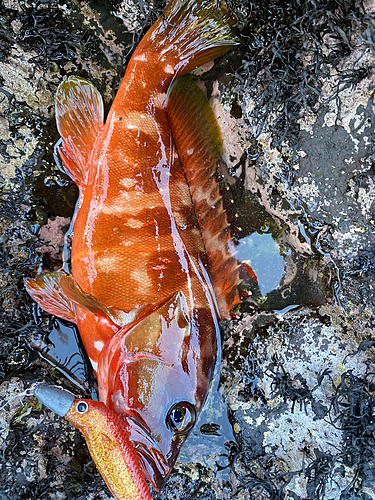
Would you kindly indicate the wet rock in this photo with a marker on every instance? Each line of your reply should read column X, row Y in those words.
column 53, row 233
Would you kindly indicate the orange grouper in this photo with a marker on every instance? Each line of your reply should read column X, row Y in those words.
column 148, row 233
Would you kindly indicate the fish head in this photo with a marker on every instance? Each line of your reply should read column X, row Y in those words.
column 156, row 373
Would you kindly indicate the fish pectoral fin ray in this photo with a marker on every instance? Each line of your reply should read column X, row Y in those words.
column 46, row 290
column 79, row 118
column 86, row 301
column 59, row 294
column 198, row 141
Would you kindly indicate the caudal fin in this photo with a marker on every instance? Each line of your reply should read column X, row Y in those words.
column 193, row 32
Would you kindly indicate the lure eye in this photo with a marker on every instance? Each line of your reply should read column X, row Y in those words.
column 82, row 407
column 181, row 417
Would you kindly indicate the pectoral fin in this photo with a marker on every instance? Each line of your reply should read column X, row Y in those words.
column 79, row 118
column 46, row 290
column 198, row 140
column 59, row 294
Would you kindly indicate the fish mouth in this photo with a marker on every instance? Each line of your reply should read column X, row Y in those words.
column 152, row 460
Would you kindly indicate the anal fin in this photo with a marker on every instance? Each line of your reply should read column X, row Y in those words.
column 79, row 118
column 198, row 141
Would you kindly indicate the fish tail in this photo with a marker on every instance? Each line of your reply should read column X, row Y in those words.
column 194, row 32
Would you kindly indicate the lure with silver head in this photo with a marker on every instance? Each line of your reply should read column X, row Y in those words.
column 107, row 440
column 54, row 398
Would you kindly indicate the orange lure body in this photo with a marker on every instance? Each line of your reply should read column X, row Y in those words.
column 148, row 230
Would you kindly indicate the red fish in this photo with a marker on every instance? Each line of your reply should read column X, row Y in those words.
column 149, row 231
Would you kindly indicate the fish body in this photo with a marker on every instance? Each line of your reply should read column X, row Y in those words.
column 148, row 227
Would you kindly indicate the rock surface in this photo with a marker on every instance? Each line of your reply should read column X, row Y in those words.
column 294, row 417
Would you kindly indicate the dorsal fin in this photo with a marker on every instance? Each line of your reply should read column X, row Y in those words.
column 198, row 140
column 79, row 118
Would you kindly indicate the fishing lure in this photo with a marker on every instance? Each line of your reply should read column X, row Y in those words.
column 149, row 232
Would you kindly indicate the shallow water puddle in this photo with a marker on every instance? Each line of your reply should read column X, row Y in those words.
column 262, row 252
column 65, row 354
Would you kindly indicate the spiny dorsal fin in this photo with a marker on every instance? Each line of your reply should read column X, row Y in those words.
column 198, row 140
column 79, row 118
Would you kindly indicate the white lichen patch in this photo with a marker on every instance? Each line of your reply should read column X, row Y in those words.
column 4, row 129
column 14, row 5
column 9, row 404
column 272, row 155
column 309, row 351
column 307, row 119
column 307, row 189
column 17, row 152
column 348, row 244
column 344, row 111
column 132, row 15
column 366, row 198
column 25, row 82
column 97, row 495
column 232, row 130
column 295, row 432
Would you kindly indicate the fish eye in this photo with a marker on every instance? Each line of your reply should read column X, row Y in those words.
column 82, row 407
column 181, row 417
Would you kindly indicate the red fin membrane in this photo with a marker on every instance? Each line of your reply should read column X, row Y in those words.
column 197, row 32
column 59, row 294
column 92, row 305
column 79, row 118
column 198, row 140
column 47, row 292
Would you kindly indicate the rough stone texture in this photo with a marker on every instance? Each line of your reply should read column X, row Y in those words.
column 295, row 104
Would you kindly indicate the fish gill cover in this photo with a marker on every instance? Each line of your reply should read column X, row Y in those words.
column 296, row 108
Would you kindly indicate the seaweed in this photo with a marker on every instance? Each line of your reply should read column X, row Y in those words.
column 287, row 57
column 351, row 411
column 261, row 477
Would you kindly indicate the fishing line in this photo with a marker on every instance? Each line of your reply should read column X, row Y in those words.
column 29, row 392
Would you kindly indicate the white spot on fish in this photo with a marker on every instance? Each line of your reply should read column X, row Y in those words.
column 143, row 123
column 98, row 344
column 134, row 223
column 169, row 69
column 140, row 57
column 140, row 276
column 107, row 262
column 127, row 182
column 159, row 99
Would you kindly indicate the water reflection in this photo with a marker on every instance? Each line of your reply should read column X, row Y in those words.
column 262, row 253
column 65, row 354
